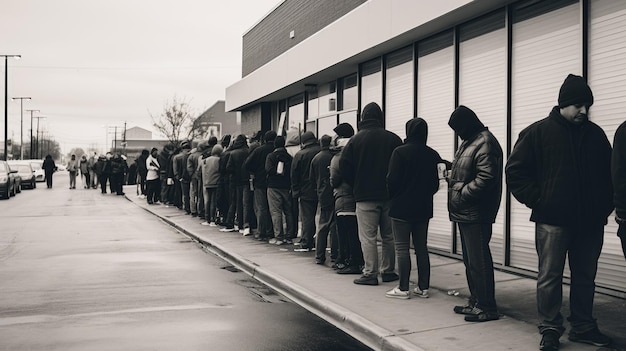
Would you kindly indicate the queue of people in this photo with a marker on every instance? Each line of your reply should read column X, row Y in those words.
column 370, row 184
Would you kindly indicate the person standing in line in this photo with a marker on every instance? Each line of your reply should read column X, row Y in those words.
column 255, row 165
column 180, row 173
column 363, row 165
column 118, row 169
column 560, row 167
column 412, row 181
column 153, row 185
column 72, row 168
column 277, row 166
column 255, row 141
column 303, row 189
column 474, row 193
column 142, row 173
column 92, row 171
column 210, row 168
column 349, row 256
column 194, row 185
column 102, row 172
column 618, row 173
column 49, row 168
column 241, row 180
column 320, row 177
column 83, row 167
column 164, row 162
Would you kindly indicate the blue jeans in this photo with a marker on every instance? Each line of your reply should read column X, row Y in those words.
column 327, row 225
column 281, row 208
column 308, row 208
column 370, row 216
column 403, row 231
column 475, row 239
column 582, row 245
column 210, row 203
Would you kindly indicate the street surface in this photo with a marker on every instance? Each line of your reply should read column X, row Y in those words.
column 80, row 270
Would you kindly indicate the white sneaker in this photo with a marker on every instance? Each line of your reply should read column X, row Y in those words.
column 212, row 224
column 227, row 230
column 396, row 293
column 205, row 223
column 246, row 232
column 421, row 293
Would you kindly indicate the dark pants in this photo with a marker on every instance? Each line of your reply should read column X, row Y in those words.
column 49, row 178
column 210, row 203
column 102, row 178
column 153, row 190
column 308, row 208
column 281, row 211
column 73, row 179
column 347, row 228
column 475, row 239
column 223, row 203
column 327, row 225
column 117, row 180
column 165, row 189
column 143, row 186
column 403, row 232
column 250, row 204
column 184, row 190
column 582, row 245
column 262, row 212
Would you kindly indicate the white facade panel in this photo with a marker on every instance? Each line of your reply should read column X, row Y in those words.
column 399, row 99
column 546, row 49
column 482, row 88
column 372, row 89
column 435, row 103
column 607, row 78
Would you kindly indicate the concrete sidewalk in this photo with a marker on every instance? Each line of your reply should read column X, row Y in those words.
column 391, row 324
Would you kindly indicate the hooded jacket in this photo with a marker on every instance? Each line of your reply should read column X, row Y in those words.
column 275, row 180
column 320, row 177
column 475, row 182
column 344, row 200
column 255, row 163
column 238, row 155
column 412, row 179
column 364, row 161
column 301, row 185
column 562, row 172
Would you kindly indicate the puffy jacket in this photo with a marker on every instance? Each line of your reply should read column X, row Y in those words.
column 301, row 185
column 320, row 177
column 475, row 182
column 255, row 163
column 180, row 166
column 412, row 179
column 344, row 200
column 210, row 171
column 274, row 180
column 192, row 162
column 234, row 166
column 562, row 172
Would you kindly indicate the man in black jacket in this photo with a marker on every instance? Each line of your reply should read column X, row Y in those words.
column 474, row 193
column 240, row 177
column 618, row 173
column 363, row 165
column 180, row 172
column 277, row 166
column 255, row 165
column 303, row 189
column 560, row 167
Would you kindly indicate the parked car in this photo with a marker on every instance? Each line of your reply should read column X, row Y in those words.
column 26, row 173
column 8, row 180
column 40, row 174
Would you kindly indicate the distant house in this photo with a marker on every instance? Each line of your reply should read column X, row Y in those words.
column 138, row 133
column 136, row 140
column 215, row 121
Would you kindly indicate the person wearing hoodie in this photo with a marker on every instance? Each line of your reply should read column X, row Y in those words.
column 240, row 179
column 72, row 168
column 210, row 168
column 180, row 173
column 363, row 165
column 164, row 160
column 320, row 177
column 412, row 181
column 560, row 167
column 142, row 173
column 277, row 166
column 194, row 185
column 83, row 166
column 349, row 254
column 303, row 190
column 255, row 165
column 224, row 189
column 474, row 193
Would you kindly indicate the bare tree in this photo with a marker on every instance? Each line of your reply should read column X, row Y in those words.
column 176, row 121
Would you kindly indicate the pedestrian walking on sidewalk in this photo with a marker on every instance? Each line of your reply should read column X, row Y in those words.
column 72, row 169
column 320, row 177
column 277, row 166
column 83, row 166
column 349, row 247
column 474, row 193
column 303, row 190
column 618, row 173
column 560, row 167
column 363, row 165
column 49, row 168
column 412, row 182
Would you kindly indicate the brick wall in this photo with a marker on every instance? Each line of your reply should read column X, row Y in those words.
column 251, row 120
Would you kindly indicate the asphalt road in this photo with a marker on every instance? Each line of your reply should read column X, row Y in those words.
column 84, row 271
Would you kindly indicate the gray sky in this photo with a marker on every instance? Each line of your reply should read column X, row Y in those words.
column 91, row 64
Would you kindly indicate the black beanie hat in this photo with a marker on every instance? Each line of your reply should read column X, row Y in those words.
column 325, row 140
column 269, row 136
column 344, row 130
column 575, row 91
column 279, row 141
column 308, row 138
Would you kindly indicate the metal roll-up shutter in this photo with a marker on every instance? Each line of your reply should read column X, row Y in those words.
column 607, row 78
column 482, row 87
column 399, row 91
column 435, row 103
column 546, row 48
column 371, row 83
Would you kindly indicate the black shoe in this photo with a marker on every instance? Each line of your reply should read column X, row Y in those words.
column 194, row 214
column 479, row 315
column 150, row 202
column 466, row 309
column 366, row 280
column 350, row 270
column 320, row 261
column 550, row 340
column 592, row 337
column 389, row 277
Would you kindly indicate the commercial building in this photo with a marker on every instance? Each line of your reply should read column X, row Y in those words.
column 312, row 64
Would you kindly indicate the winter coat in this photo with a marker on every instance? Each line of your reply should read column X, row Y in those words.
column 180, row 166
column 192, row 162
column 83, row 166
column 618, row 171
column 475, row 182
column 320, row 177
column 210, row 171
column 301, row 185
column 234, row 166
column 365, row 160
column 255, row 163
column 118, row 166
column 72, row 166
column 164, row 159
column 48, row 165
column 412, row 179
column 562, row 172
column 275, row 180
column 344, row 200
column 152, row 165
column 141, row 165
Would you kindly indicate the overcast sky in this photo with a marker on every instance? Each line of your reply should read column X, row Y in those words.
column 89, row 64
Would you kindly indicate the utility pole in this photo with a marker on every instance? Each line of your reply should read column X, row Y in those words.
column 31, row 155
column 21, row 98
column 37, row 153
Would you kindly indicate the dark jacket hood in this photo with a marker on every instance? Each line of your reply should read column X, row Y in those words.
column 465, row 122
column 417, row 131
column 240, row 142
column 372, row 116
